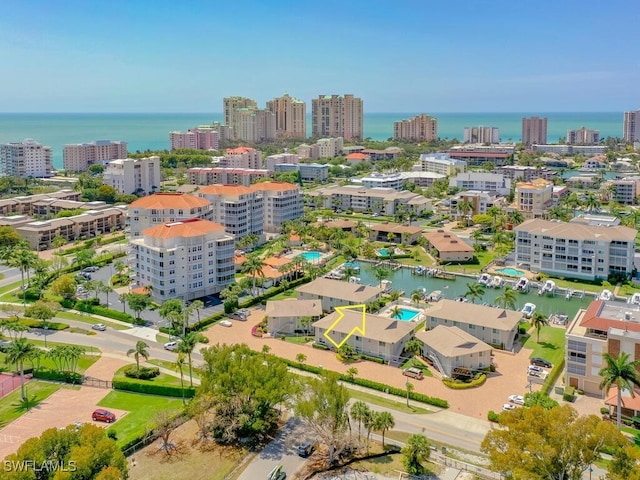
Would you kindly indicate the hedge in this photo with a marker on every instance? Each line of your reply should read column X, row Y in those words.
column 153, row 389
column 372, row 359
column 569, row 394
column 319, row 346
column 87, row 307
column 33, row 323
column 552, row 377
column 476, row 382
column 363, row 382
column 142, row 373
column 58, row 376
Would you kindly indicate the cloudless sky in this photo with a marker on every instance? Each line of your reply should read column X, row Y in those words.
column 398, row 56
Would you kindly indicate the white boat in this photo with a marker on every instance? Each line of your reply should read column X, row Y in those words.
column 605, row 295
column 435, row 296
column 528, row 310
column 485, row 279
column 354, row 279
column 522, row 285
column 549, row 286
column 386, row 285
column 419, row 270
column 462, row 300
column 497, row 282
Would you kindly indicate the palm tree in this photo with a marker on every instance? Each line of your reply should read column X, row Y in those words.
column 396, row 312
column 360, row 412
column 107, row 289
column 380, row 273
column 414, row 346
column 464, row 208
column 382, row 422
column 196, row 306
column 394, row 295
column 187, row 345
column 539, row 320
column 474, row 291
column 591, row 202
column 140, row 350
column 349, row 272
column 508, row 299
column 516, row 217
column 416, row 296
column 18, row 352
column 622, row 373
column 494, row 212
column 24, row 260
column 179, row 365
column 253, row 268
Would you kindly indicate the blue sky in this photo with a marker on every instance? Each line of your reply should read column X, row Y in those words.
column 427, row 55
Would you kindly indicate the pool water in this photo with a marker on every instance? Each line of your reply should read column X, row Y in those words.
column 510, row 271
column 383, row 252
column 406, row 315
column 311, row 256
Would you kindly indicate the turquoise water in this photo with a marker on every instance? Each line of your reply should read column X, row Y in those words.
column 310, row 256
column 510, row 271
column 150, row 131
column 406, row 315
column 403, row 279
column 383, row 252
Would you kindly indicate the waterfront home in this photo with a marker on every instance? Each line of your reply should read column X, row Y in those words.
column 449, row 247
column 286, row 316
column 392, row 232
column 336, row 293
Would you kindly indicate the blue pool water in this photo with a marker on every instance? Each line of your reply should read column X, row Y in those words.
column 311, row 256
column 383, row 252
column 351, row 265
column 510, row 271
column 406, row 314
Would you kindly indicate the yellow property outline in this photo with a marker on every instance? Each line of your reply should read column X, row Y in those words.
column 355, row 329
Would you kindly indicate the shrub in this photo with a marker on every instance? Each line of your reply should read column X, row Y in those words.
column 319, row 346
column 112, row 434
column 552, row 377
column 87, row 307
column 493, row 416
column 476, row 382
column 143, row 373
column 569, row 394
column 604, row 411
column 372, row 359
column 153, row 389
column 58, row 376
column 32, row 323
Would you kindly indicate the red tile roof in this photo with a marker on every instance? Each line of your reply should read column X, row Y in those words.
column 161, row 201
column 632, row 403
column 194, row 227
column 357, row 156
column 224, row 190
column 239, row 150
column 274, row 186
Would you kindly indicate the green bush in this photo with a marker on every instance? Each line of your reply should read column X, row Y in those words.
column 493, row 416
column 604, row 411
column 372, row 359
column 143, row 387
column 143, row 373
column 569, row 394
column 32, row 323
column 85, row 306
column 58, row 376
column 552, row 377
column 476, row 382
column 319, row 346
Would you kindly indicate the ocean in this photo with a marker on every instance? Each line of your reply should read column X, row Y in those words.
column 144, row 131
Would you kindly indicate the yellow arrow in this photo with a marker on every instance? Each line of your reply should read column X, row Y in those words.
column 355, row 329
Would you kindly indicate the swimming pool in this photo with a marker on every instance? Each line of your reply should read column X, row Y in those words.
column 510, row 271
column 383, row 252
column 311, row 256
column 406, row 314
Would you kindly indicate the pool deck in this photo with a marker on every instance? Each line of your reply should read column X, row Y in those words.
column 493, row 270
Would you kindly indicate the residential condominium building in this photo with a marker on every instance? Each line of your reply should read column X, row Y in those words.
column 480, row 155
column 291, row 116
column 525, row 173
column 603, row 328
column 481, row 181
column 583, row 136
column 586, row 150
column 242, row 157
column 480, row 202
column 240, row 209
column 441, row 163
column 533, row 199
column 166, row 208
column 78, row 157
column 24, row 205
column 186, row 259
column 623, row 190
column 377, row 200
column 309, row 151
column 481, row 135
column 227, row 176
column 309, row 172
column 398, row 180
column 133, row 175
column 631, row 126
column 336, row 293
column 337, row 116
column 199, row 138
column 421, row 128
column 230, row 108
column 25, row 159
column 272, row 160
column 330, row 147
column 575, row 250
column 282, row 202
column 255, row 125
column 534, row 131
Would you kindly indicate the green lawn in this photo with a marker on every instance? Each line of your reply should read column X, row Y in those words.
column 551, row 346
column 89, row 320
column 289, row 294
column 384, row 402
column 483, row 257
column 142, row 409
column 10, row 287
column 8, row 410
column 578, row 285
column 300, row 340
column 84, row 362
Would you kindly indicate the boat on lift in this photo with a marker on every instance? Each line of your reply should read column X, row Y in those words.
column 528, row 309
column 485, row 279
column 497, row 282
column 606, row 295
column 522, row 285
column 548, row 287
column 634, row 299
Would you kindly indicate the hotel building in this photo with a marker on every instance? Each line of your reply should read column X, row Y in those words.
column 26, row 159
column 185, row 259
column 226, row 176
column 534, row 131
column 481, row 135
column 337, row 116
column 238, row 208
column 199, row 138
column 631, row 126
column 575, row 250
column 583, row 136
column 78, row 157
column 282, row 202
column 133, row 175
column 441, row 163
column 242, row 157
column 421, row 128
column 166, row 208
column 291, row 116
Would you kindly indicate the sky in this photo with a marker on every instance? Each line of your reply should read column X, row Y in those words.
column 398, row 56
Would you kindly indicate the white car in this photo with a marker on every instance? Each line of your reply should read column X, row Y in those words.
column 171, row 346
column 535, row 371
column 508, row 406
column 99, row 326
column 517, row 399
column 226, row 323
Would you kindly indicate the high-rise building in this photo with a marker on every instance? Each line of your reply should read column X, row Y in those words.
column 26, row 159
column 421, row 128
column 133, row 175
column 282, row 202
column 583, row 136
column 240, row 209
column 291, row 116
column 631, row 127
column 481, row 135
column 534, row 131
column 337, row 116
column 230, row 107
column 242, row 157
column 254, row 125
column 199, row 138
column 78, row 157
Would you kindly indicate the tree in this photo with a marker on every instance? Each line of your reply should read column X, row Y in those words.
column 187, row 345
column 415, row 451
column 396, row 312
column 555, row 444
column 195, row 306
column 301, row 358
column 474, row 291
column 84, row 257
column 323, row 406
column 416, row 297
column 380, row 273
column 123, row 298
column 539, row 320
column 624, row 464
column 623, row 373
column 138, row 302
column 17, row 353
column 179, row 366
column 539, row 398
column 64, row 286
column 351, row 373
column 360, row 411
column 382, row 422
column 41, row 310
column 165, row 423
column 410, row 388
column 23, row 259
column 9, row 237
column 507, row 299
column 140, row 350
column 414, row 346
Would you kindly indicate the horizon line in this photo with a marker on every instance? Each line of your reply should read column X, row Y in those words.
column 365, row 113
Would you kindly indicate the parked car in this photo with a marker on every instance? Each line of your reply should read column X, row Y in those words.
column 102, row 415
column 226, row 323
column 90, row 269
column 413, row 373
column 535, row 371
column 305, row 449
column 99, row 326
column 171, row 346
column 541, row 362
column 508, row 406
column 517, row 399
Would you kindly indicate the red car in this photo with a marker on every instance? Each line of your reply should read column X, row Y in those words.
column 101, row 415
